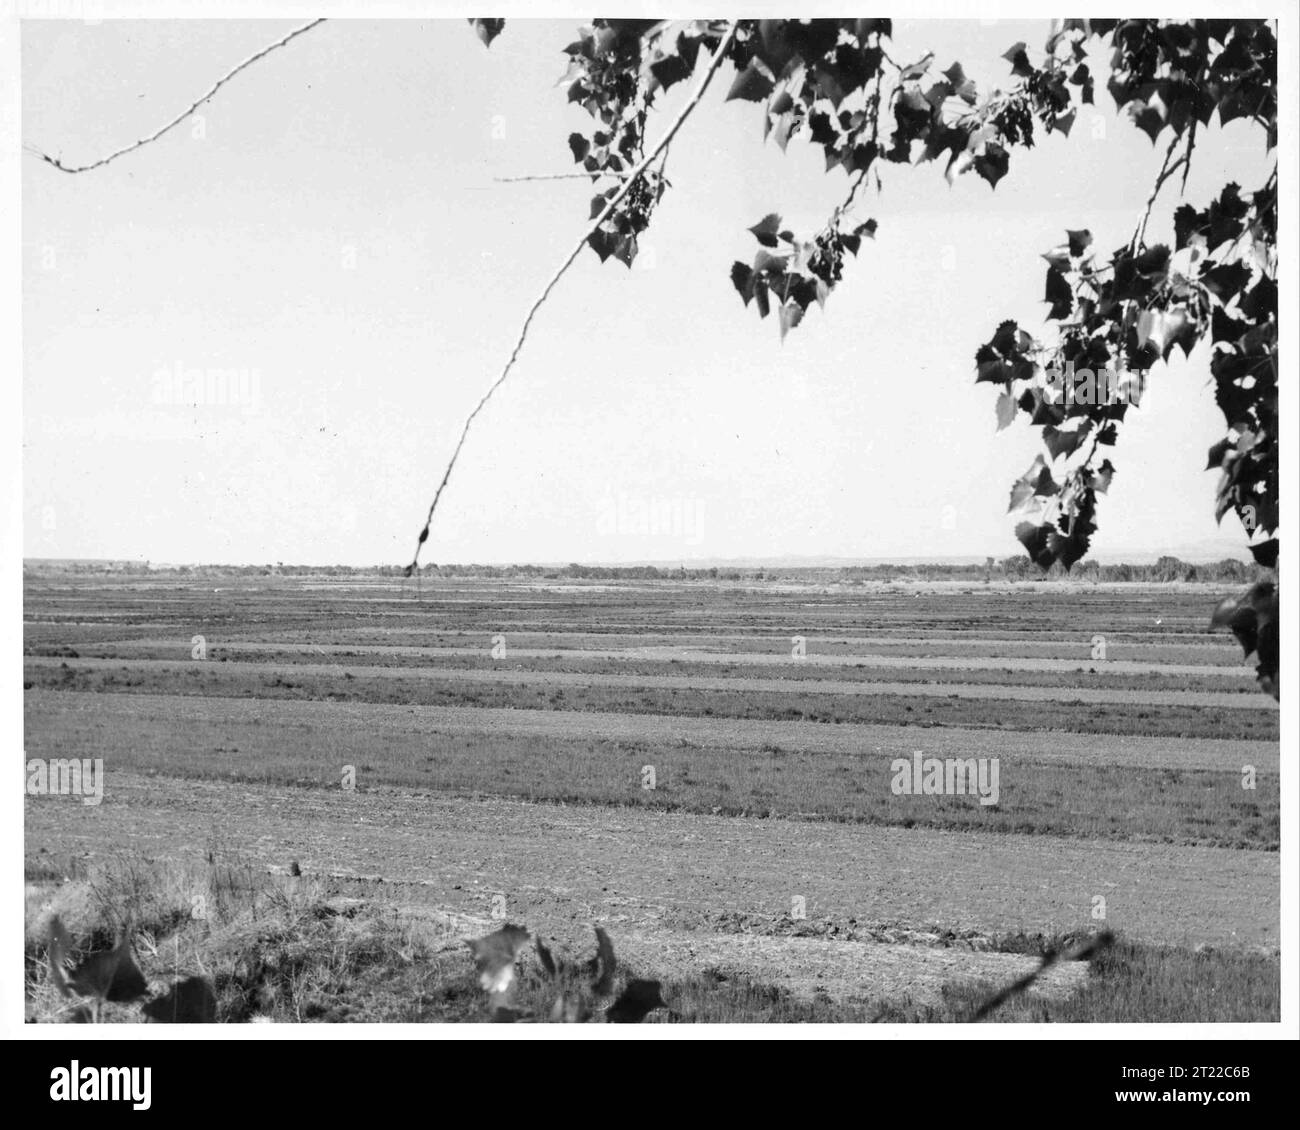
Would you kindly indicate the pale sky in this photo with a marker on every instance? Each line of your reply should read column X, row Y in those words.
column 335, row 233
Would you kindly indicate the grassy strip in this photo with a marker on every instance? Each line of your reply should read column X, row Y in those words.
column 1136, row 984
column 1201, row 651
column 905, row 710
column 1164, row 805
column 1128, row 984
column 1094, row 677
column 1199, row 648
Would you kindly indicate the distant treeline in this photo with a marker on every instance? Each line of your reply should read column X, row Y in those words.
column 1227, row 571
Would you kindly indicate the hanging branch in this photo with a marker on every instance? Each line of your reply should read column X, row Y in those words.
column 635, row 175
column 181, row 116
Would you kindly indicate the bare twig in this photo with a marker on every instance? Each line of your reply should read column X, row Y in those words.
column 562, row 176
column 718, row 55
column 184, row 113
column 848, row 200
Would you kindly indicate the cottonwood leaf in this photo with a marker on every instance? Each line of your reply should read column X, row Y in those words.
column 962, row 87
column 1186, row 225
column 1006, row 410
column 625, row 249
column 487, row 30
column 1058, row 258
column 1019, row 60
column 1265, row 553
column 785, row 126
column 1225, row 280
column 993, row 163
column 1224, row 611
column 1059, row 294
column 1079, row 241
column 1041, row 410
column 767, row 229
column 754, row 83
column 1148, row 118
column 1102, row 476
column 1260, row 302
column 742, row 278
column 600, row 202
column 1040, row 478
column 1021, row 494
column 602, row 243
column 1072, row 547
column 669, row 70
column 1060, row 442
column 917, row 69
column 1164, row 329
column 791, row 316
column 1034, row 539
column 1037, row 482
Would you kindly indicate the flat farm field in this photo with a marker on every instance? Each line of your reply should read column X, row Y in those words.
column 708, row 770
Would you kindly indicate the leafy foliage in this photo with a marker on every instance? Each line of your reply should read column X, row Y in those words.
column 1111, row 318
column 821, row 78
column 487, row 30
column 796, row 272
column 617, row 68
column 1119, row 317
column 1215, row 282
column 1253, row 618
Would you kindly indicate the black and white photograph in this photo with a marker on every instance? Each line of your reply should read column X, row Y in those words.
column 694, row 523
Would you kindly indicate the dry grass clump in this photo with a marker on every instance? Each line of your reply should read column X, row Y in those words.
column 219, row 940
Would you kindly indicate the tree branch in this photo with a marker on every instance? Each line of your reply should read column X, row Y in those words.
column 660, row 146
column 1187, row 157
column 848, row 200
column 1167, row 170
column 181, row 116
column 563, row 176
